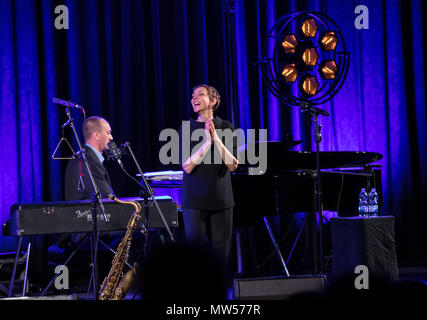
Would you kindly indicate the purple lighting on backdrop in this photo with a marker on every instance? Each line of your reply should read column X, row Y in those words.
column 273, row 105
column 380, row 108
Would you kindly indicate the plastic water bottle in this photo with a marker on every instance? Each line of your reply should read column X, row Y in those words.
column 363, row 203
column 373, row 203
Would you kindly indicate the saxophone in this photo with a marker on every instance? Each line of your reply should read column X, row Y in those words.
column 111, row 288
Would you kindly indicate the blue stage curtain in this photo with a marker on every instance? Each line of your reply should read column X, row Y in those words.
column 21, row 111
column 380, row 108
column 134, row 62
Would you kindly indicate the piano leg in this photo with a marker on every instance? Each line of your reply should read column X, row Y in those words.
column 24, row 287
column 276, row 246
column 12, row 280
column 296, row 241
column 239, row 253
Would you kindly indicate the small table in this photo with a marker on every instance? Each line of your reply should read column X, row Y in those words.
column 364, row 241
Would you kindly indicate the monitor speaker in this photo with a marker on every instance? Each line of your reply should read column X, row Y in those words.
column 277, row 288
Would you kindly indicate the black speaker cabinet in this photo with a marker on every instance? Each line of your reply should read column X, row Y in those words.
column 277, row 288
column 364, row 241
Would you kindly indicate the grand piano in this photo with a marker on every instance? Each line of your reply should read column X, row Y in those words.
column 284, row 191
column 287, row 186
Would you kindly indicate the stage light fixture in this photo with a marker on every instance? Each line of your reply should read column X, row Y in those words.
column 304, row 64
column 310, row 57
column 290, row 43
column 310, row 85
column 305, row 61
column 329, row 41
column 328, row 69
column 290, row 73
column 309, row 28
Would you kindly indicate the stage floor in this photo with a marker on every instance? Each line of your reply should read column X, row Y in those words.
column 410, row 273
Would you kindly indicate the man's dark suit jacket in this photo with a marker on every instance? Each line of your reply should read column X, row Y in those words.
column 78, row 185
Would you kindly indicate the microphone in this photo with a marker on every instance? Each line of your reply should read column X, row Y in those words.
column 68, row 104
column 114, row 152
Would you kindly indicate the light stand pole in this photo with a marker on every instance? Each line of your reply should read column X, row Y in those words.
column 306, row 69
column 313, row 116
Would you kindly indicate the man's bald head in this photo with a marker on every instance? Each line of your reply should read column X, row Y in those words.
column 97, row 132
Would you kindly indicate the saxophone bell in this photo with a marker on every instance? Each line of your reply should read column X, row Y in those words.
column 116, row 285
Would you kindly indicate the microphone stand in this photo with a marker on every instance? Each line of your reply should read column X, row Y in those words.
column 148, row 192
column 96, row 201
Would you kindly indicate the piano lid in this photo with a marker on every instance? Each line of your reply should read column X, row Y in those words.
column 279, row 158
column 330, row 159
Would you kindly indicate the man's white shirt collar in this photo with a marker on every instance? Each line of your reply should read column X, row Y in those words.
column 99, row 155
